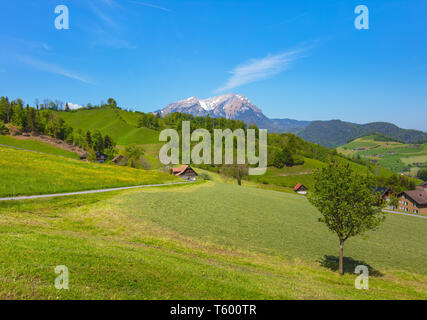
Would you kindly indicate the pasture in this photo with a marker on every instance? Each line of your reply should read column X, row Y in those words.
column 36, row 146
column 205, row 241
column 30, row 173
column 397, row 157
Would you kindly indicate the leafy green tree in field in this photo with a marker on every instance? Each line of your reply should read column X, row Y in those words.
column 112, row 102
column 346, row 200
column 3, row 128
column 283, row 158
column 89, row 139
column 236, row 171
column 422, row 174
column 108, row 142
column 133, row 154
column 91, row 155
column 98, row 141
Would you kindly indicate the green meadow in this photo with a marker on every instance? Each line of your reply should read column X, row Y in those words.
column 397, row 157
column 288, row 177
column 203, row 241
column 36, row 146
column 118, row 124
column 29, row 173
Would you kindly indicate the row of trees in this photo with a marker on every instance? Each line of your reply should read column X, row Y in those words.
column 47, row 122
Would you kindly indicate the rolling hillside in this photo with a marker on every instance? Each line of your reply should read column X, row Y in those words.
column 119, row 124
column 36, row 146
column 394, row 155
column 30, row 173
column 206, row 241
column 335, row 133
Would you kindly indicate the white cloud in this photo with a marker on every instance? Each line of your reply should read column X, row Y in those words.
column 49, row 67
column 73, row 106
column 258, row 69
column 150, row 5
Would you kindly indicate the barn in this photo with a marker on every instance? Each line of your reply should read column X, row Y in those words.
column 185, row 172
column 300, row 188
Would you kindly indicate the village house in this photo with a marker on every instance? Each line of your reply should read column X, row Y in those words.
column 300, row 188
column 185, row 172
column 414, row 201
column 424, row 185
column 385, row 193
column 100, row 157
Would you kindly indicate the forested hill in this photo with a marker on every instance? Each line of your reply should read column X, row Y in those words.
column 335, row 133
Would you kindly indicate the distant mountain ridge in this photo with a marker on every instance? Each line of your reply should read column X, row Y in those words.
column 332, row 133
column 233, row 106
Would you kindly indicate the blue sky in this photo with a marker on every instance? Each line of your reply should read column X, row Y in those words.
column 294, row 59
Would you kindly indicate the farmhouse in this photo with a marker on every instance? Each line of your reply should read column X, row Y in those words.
column 300, row 188
column 385, row 193
column 185, row 172
column 100, row 157
column 414, row 201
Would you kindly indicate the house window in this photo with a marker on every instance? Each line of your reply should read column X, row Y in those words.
column 406, row 209
column 415, row 211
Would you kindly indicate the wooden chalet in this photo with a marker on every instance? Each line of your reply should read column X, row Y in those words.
column 300, row 188
column 185, row 172
column 100, row 157
column 385, row 193
column 414, row 201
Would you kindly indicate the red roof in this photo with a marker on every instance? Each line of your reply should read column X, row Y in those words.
column 297, row 186
column 418, row 196
column 181, row 169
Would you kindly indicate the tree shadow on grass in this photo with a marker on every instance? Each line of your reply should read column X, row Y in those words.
column 331, row 262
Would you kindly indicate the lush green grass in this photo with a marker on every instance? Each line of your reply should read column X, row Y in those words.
column 119, row 124
column 36, row 146
column 209, row 241
column 289, row 176
column 28, row 173
column 395, row 156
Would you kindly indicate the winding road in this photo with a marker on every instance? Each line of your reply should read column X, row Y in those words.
column 89, row 191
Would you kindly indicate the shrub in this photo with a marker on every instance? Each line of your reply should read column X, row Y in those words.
column 205, row 176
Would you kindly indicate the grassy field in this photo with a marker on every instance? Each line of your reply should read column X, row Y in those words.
column 398, row 157
column 206, row 241
column 288, row 177
column 36, row 146
column 28, row 173
column 120, row 125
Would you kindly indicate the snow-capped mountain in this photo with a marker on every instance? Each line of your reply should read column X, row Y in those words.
column 232, row 106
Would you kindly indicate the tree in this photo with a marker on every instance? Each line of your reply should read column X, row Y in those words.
column 422, row 174
column 91, row 155
column 3, row 128
column 98, row 141
column 88, row 139
column 108, row 142
column 282, row 157
column 236, row 171
column 346, row 200
column 133, row 154
column 112, row 102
